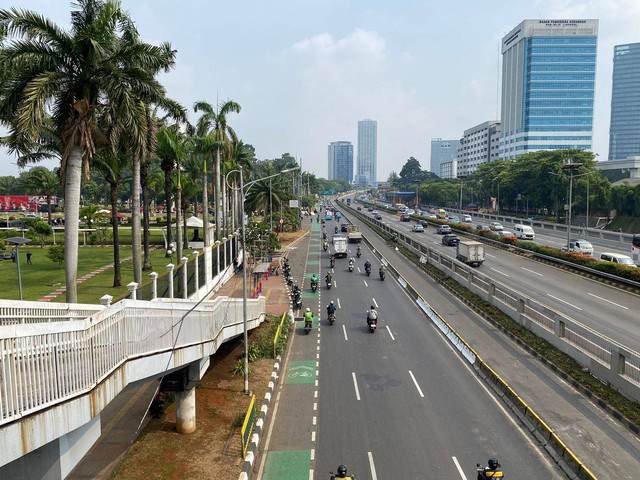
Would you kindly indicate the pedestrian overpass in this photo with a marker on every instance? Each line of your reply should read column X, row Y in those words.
column 632, row 164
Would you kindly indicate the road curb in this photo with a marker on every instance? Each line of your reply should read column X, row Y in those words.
column 250, row 457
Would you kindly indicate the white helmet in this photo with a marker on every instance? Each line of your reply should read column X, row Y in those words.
column 308, row 309
column 331, row 302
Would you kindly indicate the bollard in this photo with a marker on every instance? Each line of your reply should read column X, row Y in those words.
column 170, row 267
column 185, row 293
column 154, row 280
column 132, row 289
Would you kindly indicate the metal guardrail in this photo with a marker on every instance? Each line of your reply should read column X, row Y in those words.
column 605, row 358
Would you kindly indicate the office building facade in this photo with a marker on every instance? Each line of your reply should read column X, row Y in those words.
column 341, row 161
column 442, row 151
column 624, row 131
column 367, row 151
column 480, row 144
column 448, row 168
column 548, row 83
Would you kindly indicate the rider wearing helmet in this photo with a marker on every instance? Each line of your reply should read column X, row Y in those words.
column 367, row 265
column 342, row 472
column 314, row 279
column 331, row 308
column 491, row 471
column 308, row 317
column 328, row 278
column 372, row 314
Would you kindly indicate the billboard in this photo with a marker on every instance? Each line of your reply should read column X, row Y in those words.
column 24, row 202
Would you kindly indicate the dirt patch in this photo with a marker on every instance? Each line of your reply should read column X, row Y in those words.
column 288, row 237
column 214, row 449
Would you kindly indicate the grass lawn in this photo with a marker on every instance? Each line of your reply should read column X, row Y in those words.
column 40, row 278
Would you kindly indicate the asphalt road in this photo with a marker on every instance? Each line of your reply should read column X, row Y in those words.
column 400, row 403
column 606, row 309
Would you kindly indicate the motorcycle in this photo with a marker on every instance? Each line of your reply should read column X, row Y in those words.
column 483, row 475
column 333, row 262
column 314, row 286
column 332, row 318
column 358, row 254
column 325, row 246
column 289, row 279
column 382, row 276
column 329, row 283
column 373, row 324
column 368, row 270
column 351, row 267
column 307, row 327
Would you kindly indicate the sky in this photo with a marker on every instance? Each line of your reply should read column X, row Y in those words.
column 305, row 71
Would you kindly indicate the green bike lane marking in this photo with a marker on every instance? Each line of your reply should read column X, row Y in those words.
column 314, row 324
column 301, row 371
column 287, row 465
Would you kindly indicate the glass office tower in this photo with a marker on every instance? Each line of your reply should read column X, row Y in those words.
column 367, row 152
column 341, row 160
column 548, row 82
column 624, row 133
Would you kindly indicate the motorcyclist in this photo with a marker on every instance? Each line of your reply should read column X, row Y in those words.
column 331, row 308
column 317, row 219
column 335, row 230
column 324, row 233
column 325, row 245
column 308, row 318
column 358, row 250
column 491, row 471
column 351, row 263
column 328, row 278
column 314, row 280
column 333, row 261
column 367, row 265
column 382, row 270
column 372, row 314
column 342, row 473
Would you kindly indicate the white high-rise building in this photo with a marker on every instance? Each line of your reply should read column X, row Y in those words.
column 367, row 151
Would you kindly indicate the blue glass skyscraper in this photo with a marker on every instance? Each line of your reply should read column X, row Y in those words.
column 341, row 160
column 624, row 133
column 548, row 83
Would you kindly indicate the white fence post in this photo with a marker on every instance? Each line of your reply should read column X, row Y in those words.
column 132, row 288
column 170, row 267
column 184, row 261
column 224, row 250
column 154, row 282
column 217, row 257
column 196, row 269
column 106, row 300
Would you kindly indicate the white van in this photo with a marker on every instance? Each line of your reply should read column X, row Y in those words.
column 524, row 232
column 580, row 246
column 617, row 258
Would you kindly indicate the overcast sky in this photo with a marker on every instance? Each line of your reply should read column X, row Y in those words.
column 305, row 71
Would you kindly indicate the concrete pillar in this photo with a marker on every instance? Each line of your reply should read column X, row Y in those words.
column 217, row 257
column 186, row 411
column 170, row 267
column 195, row 271
column 106, row 300
column 132, row 289
column 185, row 293
column 154, row 285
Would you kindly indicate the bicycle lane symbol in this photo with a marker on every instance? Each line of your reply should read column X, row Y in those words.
column 301, row 372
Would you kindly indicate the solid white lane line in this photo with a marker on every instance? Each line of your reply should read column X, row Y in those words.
column 498, row 271
column 339, row 304
column 531, row 271
column 564, row 301
column 374, row 302
column 389, row 330
column 609, row 301
column 462, row 475
column 344, row 329
column 489, row 255
column 365, row 283
column 355, row 385
column 416, row 384
column 372, row 466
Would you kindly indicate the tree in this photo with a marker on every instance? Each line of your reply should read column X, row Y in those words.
column 74, row 74
column 39, row 231
column 41, row 181
column 411, row 173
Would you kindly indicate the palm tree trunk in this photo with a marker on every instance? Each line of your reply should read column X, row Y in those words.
column 136, row 240
column 205, row 207
column 49, row 208
column 117, row 277
column 178, row 229
column 144, row 183
column 167, row 196
column 218, row 194
column 71, row 218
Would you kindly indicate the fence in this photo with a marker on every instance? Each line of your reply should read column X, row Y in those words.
column 16, row 313
column 276, row 337
column 607, row 359
column 247, row 426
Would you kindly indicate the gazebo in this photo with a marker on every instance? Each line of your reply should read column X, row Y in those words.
column 197, row 240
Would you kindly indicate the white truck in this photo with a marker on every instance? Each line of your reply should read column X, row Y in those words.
column 470, row 252
column 353, row 233
column 339, row 247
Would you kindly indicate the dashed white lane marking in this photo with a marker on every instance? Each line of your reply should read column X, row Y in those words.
column 313, row 436
column 372, row 466
column 315, row 420
column 315, row 406
column 313, row 454
column 359, row 271
column 374, row 302
column 315, row 394
column 389, row 330
column 355, row 385
column 365, row 283
column 339, row 304
column 311, row 474
column 564, row 301
column 462, row 475
column 416, row 384
column 498, row 271
column 489, row 255
column 609, row 301
column 335, row 284
column 530, row 271
column 344, row 329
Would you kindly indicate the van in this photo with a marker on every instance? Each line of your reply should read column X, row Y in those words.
column 441, row 214
column 524, row 232
column 617, row 258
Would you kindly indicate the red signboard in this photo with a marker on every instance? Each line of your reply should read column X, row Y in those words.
column 24, row 202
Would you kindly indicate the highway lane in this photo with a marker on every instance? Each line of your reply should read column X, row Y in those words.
column 417, row 405
column 606, row 309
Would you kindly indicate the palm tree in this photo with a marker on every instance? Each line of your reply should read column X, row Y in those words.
column 73, row 74
column 41, row 180
column 223, row 138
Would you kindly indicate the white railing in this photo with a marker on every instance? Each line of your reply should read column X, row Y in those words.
column 43, row 364
column 13, row 312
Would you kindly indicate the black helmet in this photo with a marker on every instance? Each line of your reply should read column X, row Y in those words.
column 342, row 470
column 373, row 307
column 493, row 463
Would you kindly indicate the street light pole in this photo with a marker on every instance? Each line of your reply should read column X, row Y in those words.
column 571, row 167
column 271, row 204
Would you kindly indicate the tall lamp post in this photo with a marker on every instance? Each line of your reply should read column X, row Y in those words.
column 243, row 190
column 461, row 178
column 570, row 166
column 17, row 241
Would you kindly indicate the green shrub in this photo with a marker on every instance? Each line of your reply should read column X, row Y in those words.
column 55, row 253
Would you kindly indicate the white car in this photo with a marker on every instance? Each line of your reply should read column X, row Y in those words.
column 418, row 228
column 496, row 226
column 505, row 233
column 467, row 219
column 410, row 212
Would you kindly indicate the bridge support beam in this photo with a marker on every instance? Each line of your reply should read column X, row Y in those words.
column 186, row 411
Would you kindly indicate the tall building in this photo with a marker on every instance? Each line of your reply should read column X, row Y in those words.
column 624, row 133
column 548, row 81
column 442, row 151
column 480, row 144
column 367, row 151
column 449, row 168
column 341, row 160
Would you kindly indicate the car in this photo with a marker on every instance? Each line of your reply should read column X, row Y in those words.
column 344, row 227
column 443, row 229
column 579, row 246
column 359, row 208
column 431, row 215
column 31, row 215
column 505, row 233
column 467, row 219
column 496, row 226
column 454, row 219
column 371, row 209
column 423, row 222
column 482, row 226
column 450, row 239
column 378, row 216
column 405, row 218
column 410, row 212
column 624, row 260
column 337, row 235
column 374, row 212
column 417, row 228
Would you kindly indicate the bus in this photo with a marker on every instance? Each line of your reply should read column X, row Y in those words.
column 635, row 249
column 401, row 207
